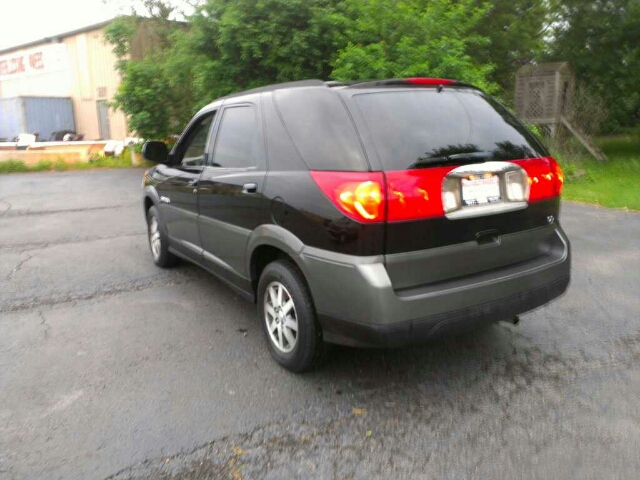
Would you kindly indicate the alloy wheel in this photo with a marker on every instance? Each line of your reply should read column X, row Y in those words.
column 154, row 238
column 280, row 317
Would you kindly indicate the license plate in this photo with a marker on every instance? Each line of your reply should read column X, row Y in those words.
column 480, row 191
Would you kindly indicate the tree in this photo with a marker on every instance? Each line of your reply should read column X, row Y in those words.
column 154, row 109
column 601, row 40
column 142, row 96
column 516, row 31
column 244, row 43
column 227, row 47
column 402, row 38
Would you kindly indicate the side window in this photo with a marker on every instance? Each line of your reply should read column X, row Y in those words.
column 238, row 141
column 194, row 145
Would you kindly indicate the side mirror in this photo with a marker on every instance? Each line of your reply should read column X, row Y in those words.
column 155, row 151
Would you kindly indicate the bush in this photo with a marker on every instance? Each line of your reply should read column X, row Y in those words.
column 42, row 166
column 60, row 165
column 126, row 155
column 12, row 166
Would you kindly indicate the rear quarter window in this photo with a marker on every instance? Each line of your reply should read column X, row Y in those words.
column 238, row 140
column 321, row 129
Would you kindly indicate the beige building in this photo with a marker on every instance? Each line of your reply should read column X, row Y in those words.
column 78, row 65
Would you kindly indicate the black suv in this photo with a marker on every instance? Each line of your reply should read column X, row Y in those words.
column 377, row 213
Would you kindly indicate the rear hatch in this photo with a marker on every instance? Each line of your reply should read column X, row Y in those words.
column 468, row 188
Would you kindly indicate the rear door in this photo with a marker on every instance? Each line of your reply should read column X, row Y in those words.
column 414, row 134
column 179, row 193
column 230, row 192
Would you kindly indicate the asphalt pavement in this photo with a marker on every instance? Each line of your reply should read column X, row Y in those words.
column 113, row 368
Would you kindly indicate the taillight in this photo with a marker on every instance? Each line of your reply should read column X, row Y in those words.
column 545, row 177
column 405, row 195
column 413, row 194
column 359, row 195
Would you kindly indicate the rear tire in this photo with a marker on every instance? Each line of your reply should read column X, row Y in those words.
column 288, row 318
column 158, row 240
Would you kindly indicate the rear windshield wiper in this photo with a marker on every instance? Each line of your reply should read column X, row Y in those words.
column 457, row 158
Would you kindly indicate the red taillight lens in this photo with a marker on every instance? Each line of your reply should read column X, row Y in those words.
column 545, row 177
column 359, row 195
column 559, row 176
column 413, row 194
column 409, row 194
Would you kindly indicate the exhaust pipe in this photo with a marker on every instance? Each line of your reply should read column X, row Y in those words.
column 514, row 321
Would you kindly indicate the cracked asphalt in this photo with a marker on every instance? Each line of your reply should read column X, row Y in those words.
column 113, row 368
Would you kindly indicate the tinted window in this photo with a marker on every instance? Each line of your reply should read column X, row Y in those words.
column 196, row 141
column 281, row 151
column 321, row 129
column 238, row 141
column 411, row 125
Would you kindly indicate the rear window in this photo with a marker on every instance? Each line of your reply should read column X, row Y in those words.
column 411, row 126
column 321, row 129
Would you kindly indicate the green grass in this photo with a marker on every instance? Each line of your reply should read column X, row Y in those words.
column 98, row 161
column 615, row 183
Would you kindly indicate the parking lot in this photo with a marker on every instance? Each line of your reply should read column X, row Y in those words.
column 113, row 368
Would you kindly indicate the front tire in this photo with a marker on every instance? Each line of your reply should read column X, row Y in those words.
column 158, row 241
column 288, row 319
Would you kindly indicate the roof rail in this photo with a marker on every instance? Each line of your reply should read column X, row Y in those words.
column 418, row 81
column 336, row 83
column 278, row 86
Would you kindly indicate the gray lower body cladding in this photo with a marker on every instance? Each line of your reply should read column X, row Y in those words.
column 420, row 330
column 358, row 305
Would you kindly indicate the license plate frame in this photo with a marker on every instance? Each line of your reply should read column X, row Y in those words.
column 478, row 191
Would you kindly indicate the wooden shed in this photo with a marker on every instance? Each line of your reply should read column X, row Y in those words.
column 543, row 97
column 543, row 92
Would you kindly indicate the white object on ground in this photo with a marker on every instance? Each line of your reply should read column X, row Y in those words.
column 26, row 139
column 113, row 147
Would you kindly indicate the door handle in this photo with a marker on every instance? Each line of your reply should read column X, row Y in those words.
column 249, row 188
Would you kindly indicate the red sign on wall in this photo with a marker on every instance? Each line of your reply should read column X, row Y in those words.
column 45, row 59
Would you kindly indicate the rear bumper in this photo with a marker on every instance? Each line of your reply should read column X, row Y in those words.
column 357, row 304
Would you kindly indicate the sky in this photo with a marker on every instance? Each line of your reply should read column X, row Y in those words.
column 28, row 20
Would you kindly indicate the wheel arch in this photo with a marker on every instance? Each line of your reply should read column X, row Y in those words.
column 150, row 198
column 268, row 243
column 148, row 203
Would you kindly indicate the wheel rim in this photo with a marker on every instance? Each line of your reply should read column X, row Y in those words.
column 280, row 317
column 154, row 237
